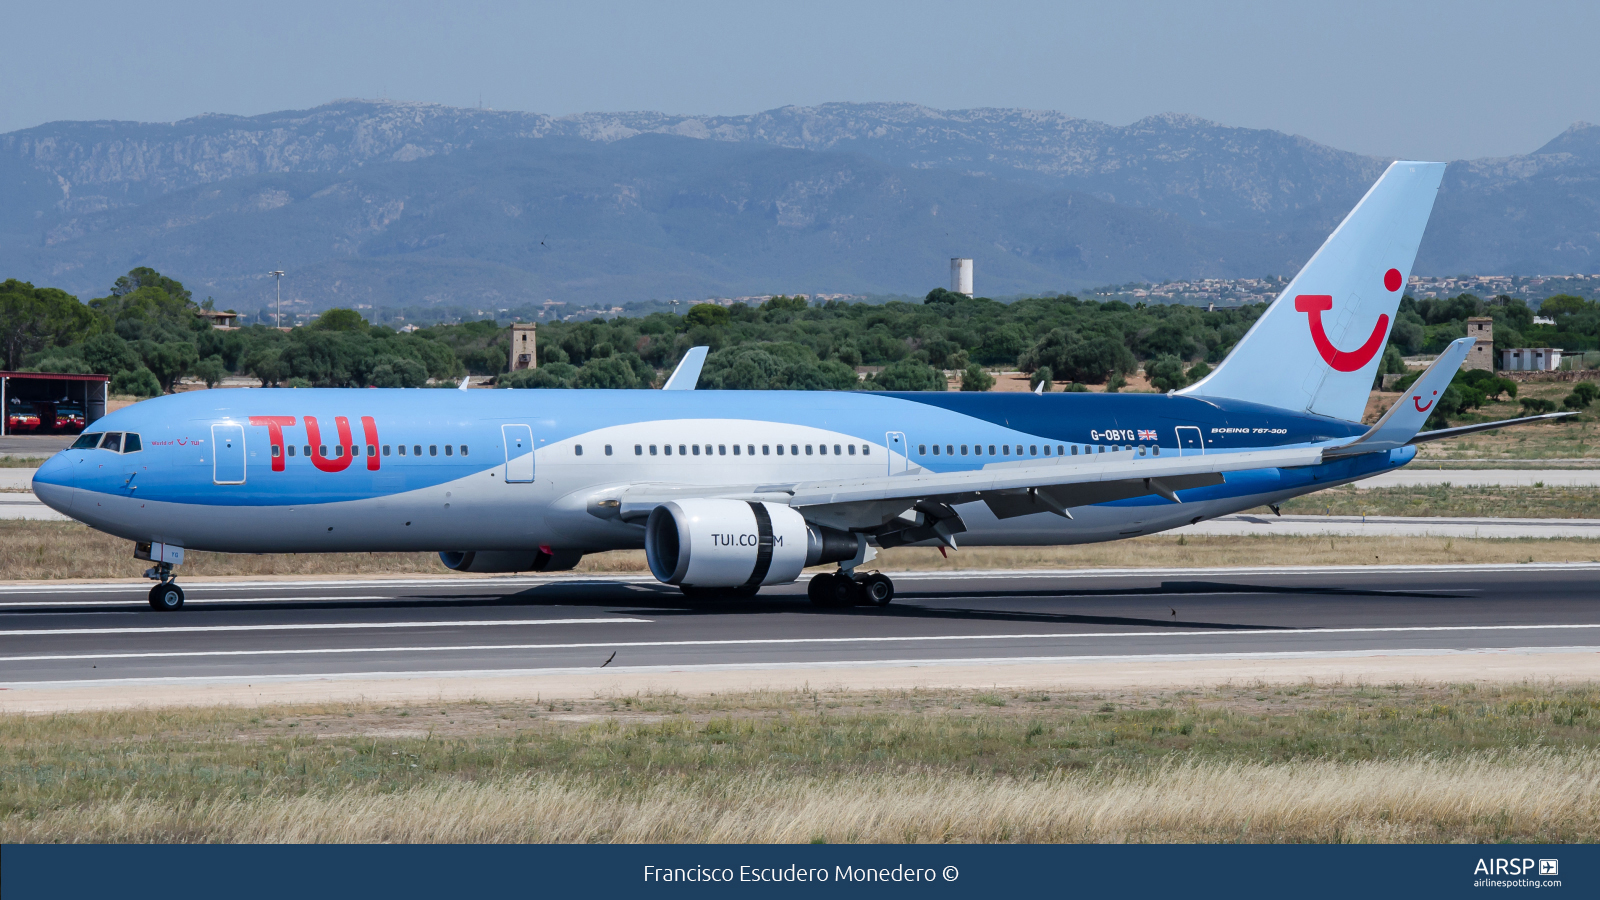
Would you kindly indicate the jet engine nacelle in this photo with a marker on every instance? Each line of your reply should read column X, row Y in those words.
column 510, row 560
column 736, row 543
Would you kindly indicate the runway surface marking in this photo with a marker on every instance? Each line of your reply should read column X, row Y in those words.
column 632, row 580
column 767, row 666
column 29, row 632
column 190, row 600
column 764, row 641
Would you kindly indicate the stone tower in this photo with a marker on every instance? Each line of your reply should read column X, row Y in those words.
column 524, row 347
column 1481, row 356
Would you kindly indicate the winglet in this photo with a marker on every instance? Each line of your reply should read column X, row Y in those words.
column 1040, row 389
column 687, row 374
column 464, row 382
column 1407, row 416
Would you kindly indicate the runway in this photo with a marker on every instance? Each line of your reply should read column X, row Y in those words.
column 241, row 632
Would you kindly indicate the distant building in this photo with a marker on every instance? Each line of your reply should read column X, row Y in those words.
column 222, row 321
column 1481, row 356
column 1531, row 359
column 524, row 346
column 961, row 276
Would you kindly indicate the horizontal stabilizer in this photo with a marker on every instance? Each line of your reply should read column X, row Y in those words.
column 1443, row 433
column 1407, row 416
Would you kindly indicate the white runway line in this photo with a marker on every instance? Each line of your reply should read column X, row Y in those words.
column 174, row 629
column 189, row 601
column 753, row 642
column 1416, row 476
column 913, row 663
column 1250, row 524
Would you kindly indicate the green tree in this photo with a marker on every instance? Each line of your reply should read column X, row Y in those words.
column 140, row 382
column 610, row 372
column 1042, row 375
column 707, row 315
column 1166, row 373
column 211, row 371
column 974, row 378
column 340, row 320
column 35, row 318
column 107, row 353
column 169, row 361
column 551, row 375
column 909, row 375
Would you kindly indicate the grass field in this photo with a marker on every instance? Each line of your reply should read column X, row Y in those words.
column 63, row 550
column 1253, row 763
column 1535, row 502
column 1575, row 438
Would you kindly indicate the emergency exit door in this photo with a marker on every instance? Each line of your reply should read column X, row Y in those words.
column 519, row 452
column 899, row 455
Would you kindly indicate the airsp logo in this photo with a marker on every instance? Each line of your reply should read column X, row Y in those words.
column 1515, row 867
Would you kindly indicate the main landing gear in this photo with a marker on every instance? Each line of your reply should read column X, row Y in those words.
column 838, row 589
column 165, row 596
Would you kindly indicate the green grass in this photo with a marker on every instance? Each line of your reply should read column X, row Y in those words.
column 21, row 462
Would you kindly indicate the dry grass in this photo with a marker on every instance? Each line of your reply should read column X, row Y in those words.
column 1531, row 502
column 64, row 550
column 1260, row 763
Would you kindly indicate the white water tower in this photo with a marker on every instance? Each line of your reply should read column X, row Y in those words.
column 961, row 276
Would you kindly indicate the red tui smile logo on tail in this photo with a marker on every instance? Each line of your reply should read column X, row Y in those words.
column 1313, row 305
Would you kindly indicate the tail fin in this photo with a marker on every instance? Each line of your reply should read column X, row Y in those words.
column 1317, row 347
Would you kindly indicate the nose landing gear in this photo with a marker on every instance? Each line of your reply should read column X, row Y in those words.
column 831, row 589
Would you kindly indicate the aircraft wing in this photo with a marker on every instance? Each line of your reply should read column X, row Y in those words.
column 917, row 506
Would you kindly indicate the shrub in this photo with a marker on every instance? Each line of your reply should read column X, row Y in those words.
column 1534, row 406
column 974, row 378
column 550, row 375
column 1166, row 374
column 909, row 375
column 140, row 382
column 1041, row 375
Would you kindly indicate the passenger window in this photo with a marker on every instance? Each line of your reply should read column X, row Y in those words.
column 1141, row 451
column 1046, row 449
column 949, row 449
column 821, row 448
column 963, row 449
column 402, row 449
column 290, row 449
column 274, row 451
column 372, row 450
column 464, row 450
column 433, row 449
column 780, row 449
column 836, row 449
column 416, row 449
column 652, row 449
column 808, row 449
column 736, row 449
column 681, row 450
column 385, row 449
column 447, row 450
column 130, row 443
column 851, row 446
column 793, row 450
column 935, row 449
column 638, row 450
column 766, row 449
column 1155, row 451
column 338, row 451
column 991, row 449
column 87, row 441
column 722, row 449
column 977, row 449
column 1033, row 450
column 1074, row 449
column 112, row 441
column 667, row 448
column 750, row 450
column 322, row 451
column 922, row 449
column 708, row 449
column 577, row 449
column 866, row 449
column 696, row 449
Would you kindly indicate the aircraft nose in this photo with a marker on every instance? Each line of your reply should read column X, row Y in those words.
column 53, row 483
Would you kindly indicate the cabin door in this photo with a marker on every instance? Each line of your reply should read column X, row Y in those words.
column 899, row 455
column 1190, row 443
column 227, row 454
column 519, row 453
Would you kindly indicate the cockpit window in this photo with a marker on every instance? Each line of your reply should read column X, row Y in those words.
column 115, row 441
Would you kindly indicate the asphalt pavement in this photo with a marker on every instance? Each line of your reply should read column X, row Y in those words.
column 242, row 631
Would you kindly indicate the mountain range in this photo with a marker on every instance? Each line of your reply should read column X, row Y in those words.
column 388, row 204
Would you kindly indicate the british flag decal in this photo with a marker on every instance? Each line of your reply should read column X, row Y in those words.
column 1146, row 434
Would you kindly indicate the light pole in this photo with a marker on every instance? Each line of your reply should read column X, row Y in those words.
column 278, row 274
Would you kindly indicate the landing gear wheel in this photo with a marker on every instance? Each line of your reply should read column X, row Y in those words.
column 832, row 590
column 166, row 597
column 876, row 590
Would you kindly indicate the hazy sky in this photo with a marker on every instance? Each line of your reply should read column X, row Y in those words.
column 1426, row 80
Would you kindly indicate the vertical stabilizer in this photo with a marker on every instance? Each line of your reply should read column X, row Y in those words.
column 1317, row 347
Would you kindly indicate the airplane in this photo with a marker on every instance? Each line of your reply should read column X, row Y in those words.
column 728, row 492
